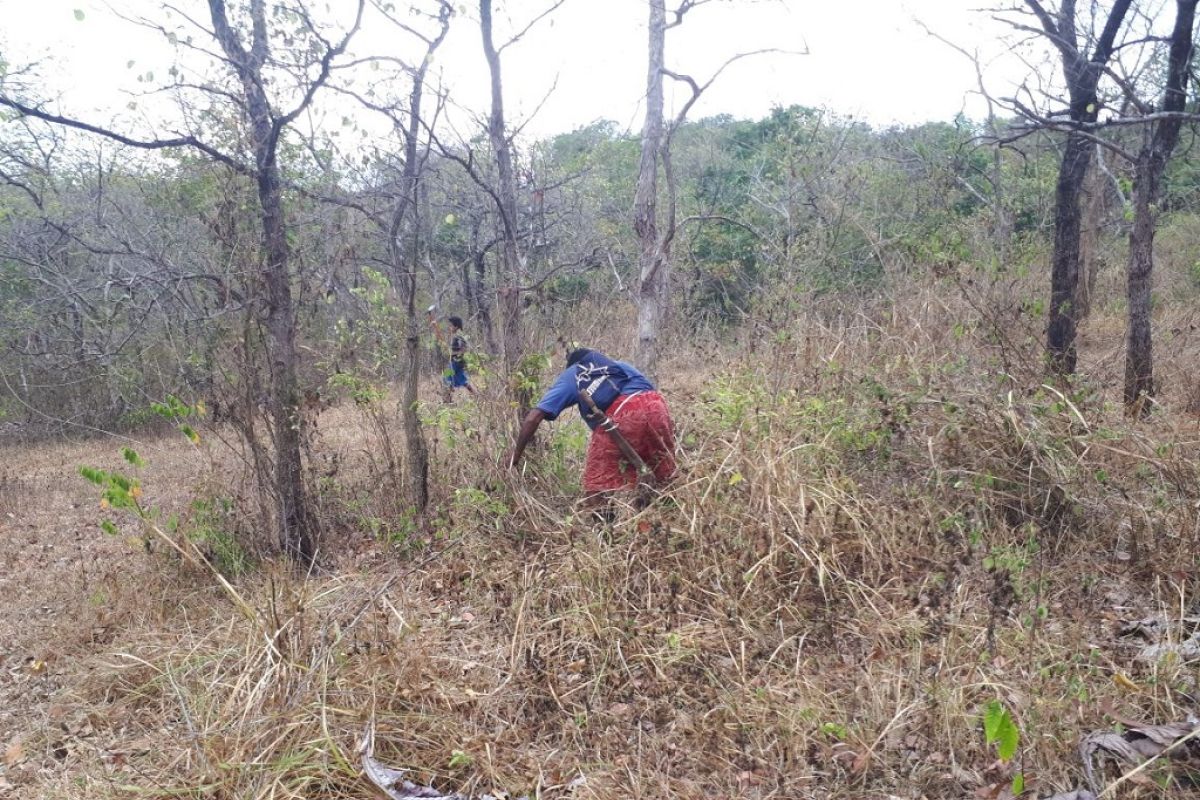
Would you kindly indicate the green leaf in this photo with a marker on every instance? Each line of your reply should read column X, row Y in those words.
column 116, row 497
column 999, row 728
column 833, row 730
column 79, row 15
column 96, row 476
column 132, row 457
column 1018, row 784
column 108, row 527
column 190, row 433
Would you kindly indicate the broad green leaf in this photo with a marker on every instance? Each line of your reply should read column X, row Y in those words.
column 1018, row 784
column 999, row 728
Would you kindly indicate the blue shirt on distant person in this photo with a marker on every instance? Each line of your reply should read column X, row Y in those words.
column 606, row 379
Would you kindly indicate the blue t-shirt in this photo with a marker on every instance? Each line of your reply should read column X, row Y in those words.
column 606, row 379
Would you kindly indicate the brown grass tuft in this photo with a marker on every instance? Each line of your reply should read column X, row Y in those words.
column 885, row 521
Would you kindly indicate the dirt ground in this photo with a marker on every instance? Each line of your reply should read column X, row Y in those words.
column 62, row 577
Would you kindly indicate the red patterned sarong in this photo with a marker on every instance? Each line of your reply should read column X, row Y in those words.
column 644, row 421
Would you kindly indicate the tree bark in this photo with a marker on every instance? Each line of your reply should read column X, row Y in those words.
column 1089, row 238
column 1139, row 362
column 512, row 265
column 1160, row 140
column 297, row 524
column 1082, row 75
column 1064, row 264
column 404, row 277
column 404, row 226
column 475, row 287
column 651, row 290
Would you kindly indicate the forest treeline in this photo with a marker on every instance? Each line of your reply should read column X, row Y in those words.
column 126, row 279
column 240, row 255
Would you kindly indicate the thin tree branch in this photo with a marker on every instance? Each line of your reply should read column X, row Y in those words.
column 513, row 40
column 144, row 144
column 331, row 52
column 684, row 8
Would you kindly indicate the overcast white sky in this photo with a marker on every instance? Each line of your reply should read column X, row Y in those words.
column 868, row 58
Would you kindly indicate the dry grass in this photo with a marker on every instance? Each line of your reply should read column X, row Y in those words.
column 884, row 522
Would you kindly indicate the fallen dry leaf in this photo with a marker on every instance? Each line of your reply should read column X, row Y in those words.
column 748, row 778
column 1122, row 680
column 15, row 753
column 619, row 709
column 1137, row 744
column 392, row 781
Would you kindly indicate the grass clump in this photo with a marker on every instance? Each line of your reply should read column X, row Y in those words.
column 863, row 554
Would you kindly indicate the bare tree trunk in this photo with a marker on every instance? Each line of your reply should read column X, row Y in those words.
column 414, row 438
column 297, row 525
column 404, row 276
column 1082, row 75
column 1160, row 140
column 651, row 291
column 1002, row 230
column 1139, row 363
column 512, row 266
column 484, row 308
column 404, row 226
column 1064, row 264
column 1089, row 238
column 468, row 286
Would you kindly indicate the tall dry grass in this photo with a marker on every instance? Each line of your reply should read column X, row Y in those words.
column 884, row 521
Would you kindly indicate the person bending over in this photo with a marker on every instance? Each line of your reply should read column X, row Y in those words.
column 625, row 396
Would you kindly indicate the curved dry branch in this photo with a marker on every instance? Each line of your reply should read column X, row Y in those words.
column 116, row 136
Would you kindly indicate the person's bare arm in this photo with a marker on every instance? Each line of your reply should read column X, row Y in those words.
column 529, row 426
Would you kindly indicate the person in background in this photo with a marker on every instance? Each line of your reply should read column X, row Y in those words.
column 456, row 375
column 629, row 399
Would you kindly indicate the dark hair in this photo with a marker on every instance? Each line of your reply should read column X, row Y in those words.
column 577, row 355
column 456, row 322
